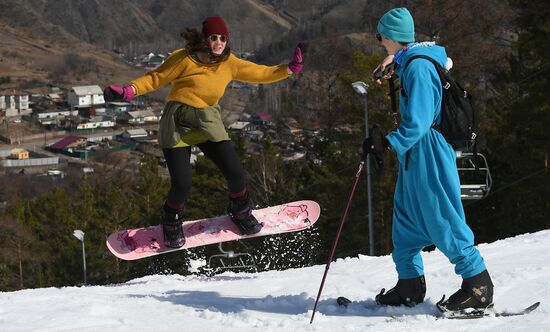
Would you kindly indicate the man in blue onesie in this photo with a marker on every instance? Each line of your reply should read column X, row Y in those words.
column 427, row 207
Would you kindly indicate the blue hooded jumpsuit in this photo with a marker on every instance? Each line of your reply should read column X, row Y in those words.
column 427, row 206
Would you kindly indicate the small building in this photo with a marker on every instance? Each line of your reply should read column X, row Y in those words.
column 19, row 154
column 290, row 131
column 134, row 133
column 14, row 103
column 51, row 117
column 96, row 122
column 68, row 142
column 87, row 126
column 87, row 170
column 260, row 118
column 118, row 107
column 240, row 127
column 138, row 117
column 85, row 96
column 9, row 159
column 55, row 97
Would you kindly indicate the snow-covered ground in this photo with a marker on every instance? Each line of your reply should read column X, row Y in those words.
column 283, row 301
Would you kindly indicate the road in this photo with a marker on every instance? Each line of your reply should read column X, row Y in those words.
column 38, row 144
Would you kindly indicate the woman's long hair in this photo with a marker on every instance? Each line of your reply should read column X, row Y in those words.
column 196, row 42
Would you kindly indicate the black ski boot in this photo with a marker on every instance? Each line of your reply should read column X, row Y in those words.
column 476, row 293
column 241, row 214
column 409, row 292
column 172, row 228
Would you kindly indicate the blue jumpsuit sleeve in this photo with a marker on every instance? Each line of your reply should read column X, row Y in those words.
column 422, row 85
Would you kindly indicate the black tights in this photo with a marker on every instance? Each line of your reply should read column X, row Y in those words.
column 221, row 153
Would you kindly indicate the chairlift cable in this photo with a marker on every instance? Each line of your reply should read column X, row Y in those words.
column 530, row 76
column 543, row 170
column 535, row 74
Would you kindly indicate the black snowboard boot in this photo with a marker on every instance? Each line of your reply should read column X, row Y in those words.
column 409, row 292
column 241, row 214
column 172, row 228
column 476, row 293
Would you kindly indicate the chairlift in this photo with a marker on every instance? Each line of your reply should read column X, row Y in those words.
column 231, row 261
column 475, row 177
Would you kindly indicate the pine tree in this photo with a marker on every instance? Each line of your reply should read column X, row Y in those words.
column 519, row 140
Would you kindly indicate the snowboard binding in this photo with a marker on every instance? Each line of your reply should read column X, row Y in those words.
column 241, row 214
column 172, row 227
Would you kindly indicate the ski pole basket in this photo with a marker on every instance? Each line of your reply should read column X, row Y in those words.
column 475, row 177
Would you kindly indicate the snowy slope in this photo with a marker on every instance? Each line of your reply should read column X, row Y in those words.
column 283, row 301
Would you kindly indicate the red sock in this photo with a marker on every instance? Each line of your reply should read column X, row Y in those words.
column 238, row 194
column 174, row 206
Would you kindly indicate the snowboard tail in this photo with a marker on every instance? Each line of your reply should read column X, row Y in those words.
column 148, row 241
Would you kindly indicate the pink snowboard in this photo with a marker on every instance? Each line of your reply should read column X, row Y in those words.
column 144, row 242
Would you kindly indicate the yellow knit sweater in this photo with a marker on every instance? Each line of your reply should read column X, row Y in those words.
column 201, row 85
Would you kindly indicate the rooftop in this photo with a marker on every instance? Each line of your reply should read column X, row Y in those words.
column 87, row 90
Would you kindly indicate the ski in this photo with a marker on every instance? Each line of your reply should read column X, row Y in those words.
column 475, row 314
column 489, row 312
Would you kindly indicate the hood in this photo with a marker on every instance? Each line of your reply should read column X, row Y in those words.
column 428, row 49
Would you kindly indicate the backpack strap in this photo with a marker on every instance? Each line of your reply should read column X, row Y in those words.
column 440, row 71
column 393, row 98
column 444, row 82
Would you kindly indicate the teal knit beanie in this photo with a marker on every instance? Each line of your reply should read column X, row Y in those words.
column 397, row 25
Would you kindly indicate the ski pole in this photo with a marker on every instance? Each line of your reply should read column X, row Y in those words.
column 357, row 176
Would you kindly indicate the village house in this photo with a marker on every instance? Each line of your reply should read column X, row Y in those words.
column 137, row 117
column 290, row 131
column 118, row 107
column 134, row 133
column 96, row 122
column 55, row 94
column 86, row 97
column 81, row 147
column 68, row 142
column 19, row 154
column 52, row 117
column 240, row 127
column 14, row 103
column 260, row 119
column 22, row 158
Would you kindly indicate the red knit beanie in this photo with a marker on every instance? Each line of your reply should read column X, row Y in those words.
column 214, row 25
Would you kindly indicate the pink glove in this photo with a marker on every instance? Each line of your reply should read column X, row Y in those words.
column 295, row 65
column 118, row 93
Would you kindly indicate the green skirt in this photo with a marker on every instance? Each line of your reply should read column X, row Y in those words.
column 182, row 125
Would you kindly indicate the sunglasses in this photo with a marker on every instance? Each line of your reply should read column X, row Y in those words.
column 379, row 37
column 214, row 38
